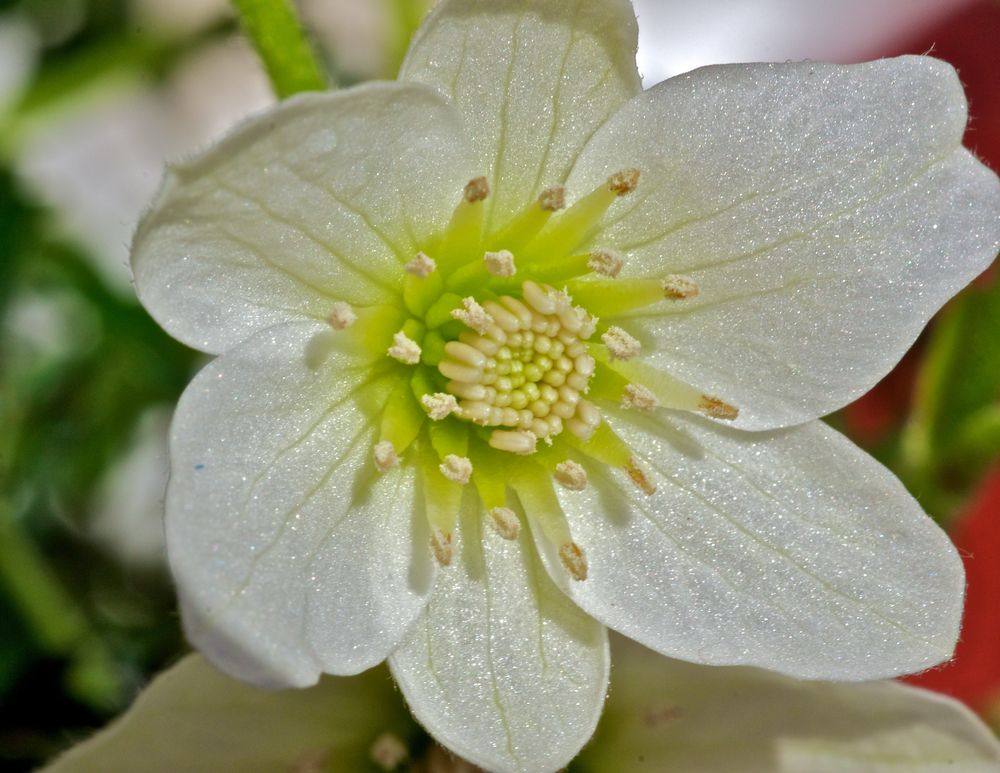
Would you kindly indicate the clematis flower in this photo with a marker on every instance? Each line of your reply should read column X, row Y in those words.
column 512, row 351
column 662, row 715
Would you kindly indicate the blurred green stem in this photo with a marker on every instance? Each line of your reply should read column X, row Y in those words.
column 274, row 29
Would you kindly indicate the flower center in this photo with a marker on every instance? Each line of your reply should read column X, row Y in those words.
column 525, row 368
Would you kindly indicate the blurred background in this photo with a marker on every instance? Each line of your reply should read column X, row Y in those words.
column 95, row 96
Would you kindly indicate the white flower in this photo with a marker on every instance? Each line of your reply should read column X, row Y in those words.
column 662, row 715
column 785, row 232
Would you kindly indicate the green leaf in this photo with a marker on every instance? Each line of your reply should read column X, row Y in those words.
column 273, row 28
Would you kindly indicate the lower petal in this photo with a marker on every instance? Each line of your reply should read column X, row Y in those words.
column 502, row 668
column 790, row 550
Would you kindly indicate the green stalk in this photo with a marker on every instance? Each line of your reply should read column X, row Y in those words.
column 274, row 29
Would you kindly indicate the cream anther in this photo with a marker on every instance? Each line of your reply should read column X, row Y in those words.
column 456, row 468
column 606, row 262
column 638, row 476
column 388, row 752
column 341, row 316
column 571, row 475
column 442, row 547
column 621, row 346
column 544, row 301
column 385, row 456
column 421, row 266
column 638, row 397
column 505, row 522
column 678, row 288
column 516, row 442
column 500, row 263
column 404, row 349
column 476, row 190
column 439, row 405
column 717, row 409
column 623, row 182
column 553, row 199
column 573, row 559
column 473, row 315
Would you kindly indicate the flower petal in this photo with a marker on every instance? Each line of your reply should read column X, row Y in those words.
column 825, row 212
column 194, row 718
column 533, row 81
column 323, row 198
column 791, row 550
column 665, row 715
column 502, row 667
column 291, row 555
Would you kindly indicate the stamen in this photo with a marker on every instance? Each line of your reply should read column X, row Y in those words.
column 476, row 189
column 441, row 546
column 553, row 199
column 621, row 345
column 388, row 751
column 717, row 409
column 421, row 266
column 404, row 349
column 456, row 468
column 623, row 182
column 606, row 262
column 385, row 456
column 439, row 405
column 638, row 476
column 571, row 475
column 505, row 522
column 473, row 315
column 638, row 397
column 518, row 442
column 677, row 287
column 341, row 316
column 500, row 263
column 575, row 562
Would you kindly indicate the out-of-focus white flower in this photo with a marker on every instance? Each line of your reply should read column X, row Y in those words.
column 407, row 451
column 678, row 35
column 662, row 716
column 126, row 516
column 18, row 54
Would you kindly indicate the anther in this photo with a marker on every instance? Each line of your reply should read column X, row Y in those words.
column 456, row 468
column 388, row 752
column 441, row 546
column 385, row 456
column 571, row 475
column 505, row 522
column 638, row 476
column 639, row 397
column 421, row 266
column 623, row 182
column 341, row 316
column 476, row 190
column 678, row 288
column 500, row 263
column 439, row 405
column 621, row 346
column 717, row 409
column 517, row 442
column 404, row 349
column 606, row 262
column 573, row 559
column 473, row 315
column 553, row 199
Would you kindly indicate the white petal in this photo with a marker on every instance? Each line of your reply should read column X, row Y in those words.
column 193, row 718
column 321, row 199
column 292, row 556
column 665, row 715
column 825, row 212
column 533, row 81
column 791, row 550
column 502, row 668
